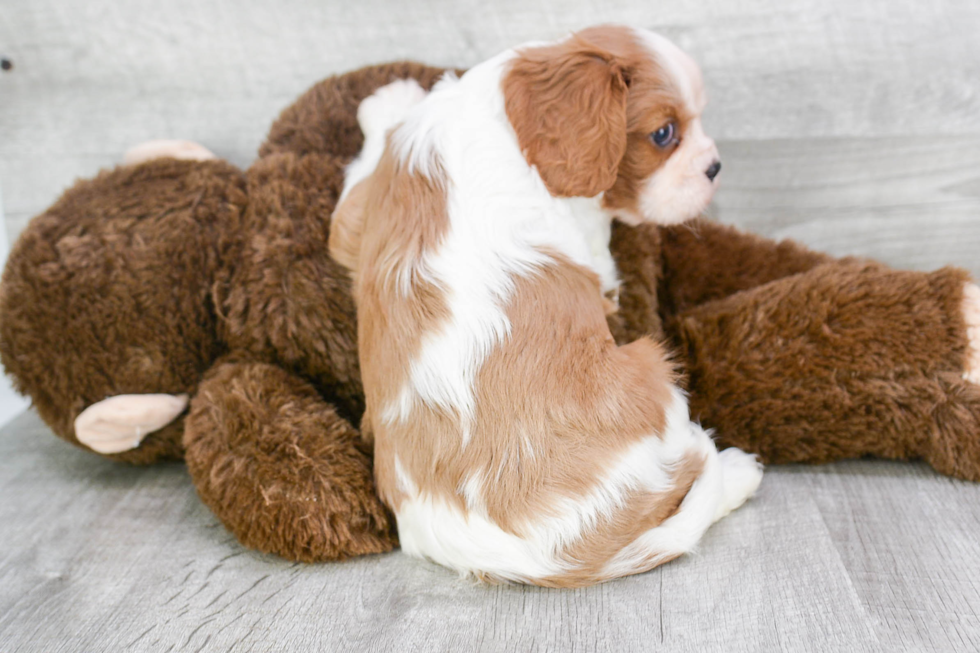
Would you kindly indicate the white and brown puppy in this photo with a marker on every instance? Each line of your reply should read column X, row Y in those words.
column 513, row 439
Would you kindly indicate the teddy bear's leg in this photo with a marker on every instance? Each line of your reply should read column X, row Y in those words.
column 704, row 261
column 848, row 359
column 280, row 468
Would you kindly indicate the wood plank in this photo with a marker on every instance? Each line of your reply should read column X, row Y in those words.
column 773, row 582
column 908, row 539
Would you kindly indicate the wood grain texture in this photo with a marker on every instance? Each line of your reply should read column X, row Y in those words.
column 908, row 539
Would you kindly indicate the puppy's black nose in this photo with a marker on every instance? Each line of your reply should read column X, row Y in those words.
column 713, row 170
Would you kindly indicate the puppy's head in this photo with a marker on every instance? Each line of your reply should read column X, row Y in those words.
column 615, row 110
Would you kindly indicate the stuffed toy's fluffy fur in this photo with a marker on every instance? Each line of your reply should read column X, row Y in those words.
column 193, row 277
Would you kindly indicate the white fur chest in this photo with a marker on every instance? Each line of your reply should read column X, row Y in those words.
column 595, row 225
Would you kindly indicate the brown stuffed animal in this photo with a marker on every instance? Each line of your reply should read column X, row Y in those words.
column 170, row 278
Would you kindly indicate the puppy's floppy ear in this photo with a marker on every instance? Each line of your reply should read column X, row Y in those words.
column 567, row 103
column 347, row 225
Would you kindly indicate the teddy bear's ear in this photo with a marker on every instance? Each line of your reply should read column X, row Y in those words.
column 346, row 226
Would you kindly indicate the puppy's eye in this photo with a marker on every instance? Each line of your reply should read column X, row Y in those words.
column 665, row 136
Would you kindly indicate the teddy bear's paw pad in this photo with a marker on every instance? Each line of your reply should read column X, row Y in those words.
column 741, row 474
column 120, row 423
column 161, row 149
column 388, row 106
column 971, row 311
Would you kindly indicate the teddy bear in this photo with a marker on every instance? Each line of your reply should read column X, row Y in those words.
column 176, row 307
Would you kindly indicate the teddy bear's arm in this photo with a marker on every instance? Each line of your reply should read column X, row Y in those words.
column 845, row 360
column 280, row 468
column 120, row 423
column 704, row 261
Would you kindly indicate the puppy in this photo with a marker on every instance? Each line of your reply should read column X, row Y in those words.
column 514, row 440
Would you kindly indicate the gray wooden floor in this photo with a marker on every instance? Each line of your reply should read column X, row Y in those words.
column 857, row 556
column 851, row 126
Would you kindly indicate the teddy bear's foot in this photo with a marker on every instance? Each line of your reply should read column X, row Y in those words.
column 971, row 311
column 160, row 149
column 280, row 468
column 120, row 423
column 848, row 359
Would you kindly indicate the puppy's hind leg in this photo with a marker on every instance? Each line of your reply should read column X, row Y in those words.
column 726, row 481
column 679, row 533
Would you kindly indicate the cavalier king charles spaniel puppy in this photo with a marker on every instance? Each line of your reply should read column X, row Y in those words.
column 514, row 440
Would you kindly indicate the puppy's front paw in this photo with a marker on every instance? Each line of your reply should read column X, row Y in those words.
column 388, row 106
column 971, row 312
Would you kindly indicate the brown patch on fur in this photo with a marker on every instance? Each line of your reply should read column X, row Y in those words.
column 567, row 104
column 404, row 216
column 564, row 386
